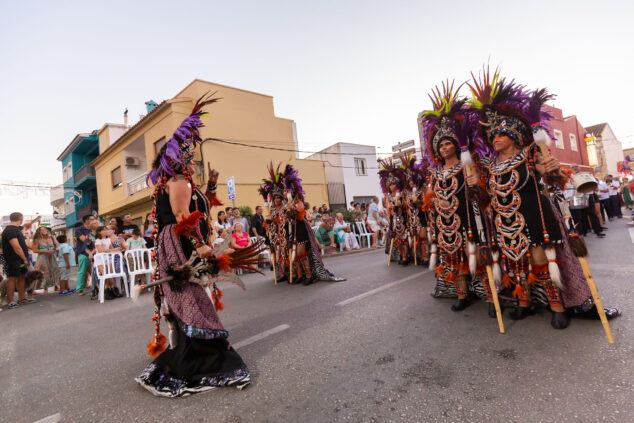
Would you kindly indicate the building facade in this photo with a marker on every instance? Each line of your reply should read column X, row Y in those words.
column 609, row 149
column 569, row 146
column 240, row 117
column 351, row 173
column 77, row 196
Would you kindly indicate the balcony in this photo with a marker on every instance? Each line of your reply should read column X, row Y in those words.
column 137, row 184
column 57, row 195
column 87, row 209
column 84, row 175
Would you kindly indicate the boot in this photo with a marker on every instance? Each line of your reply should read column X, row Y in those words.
column 560, row 320
column 492, row 312
column 116, row 293
column 108, row 295
column 521, row 313
column 461, row 304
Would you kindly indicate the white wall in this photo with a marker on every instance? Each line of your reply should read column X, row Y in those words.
column 612, row 148
column 356, row 185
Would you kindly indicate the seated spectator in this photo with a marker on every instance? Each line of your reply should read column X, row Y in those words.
column 344, row 235
column 357, row 214
column 383, row 224
column 325, row 233
column 237, row 218
column 65, row 260
column 220, row 238
column 136, row 241
column 239, row 238
column 222, row 222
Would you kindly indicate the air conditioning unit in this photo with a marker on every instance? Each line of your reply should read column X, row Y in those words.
column 132, row 161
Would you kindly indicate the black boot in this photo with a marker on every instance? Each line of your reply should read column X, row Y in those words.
column 461, row 304
column 492, row 312
column 299, row 280
column 116, row 292
column 283, row 278
column 560, row 320
column 521, row 313
column 307, row 281
column 108, row 295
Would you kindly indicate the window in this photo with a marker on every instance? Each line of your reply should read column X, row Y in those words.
column 68, row 172
column 559, row 139
column 116, row 177
column 573, row 142
column 158, row 145
column 359, row 167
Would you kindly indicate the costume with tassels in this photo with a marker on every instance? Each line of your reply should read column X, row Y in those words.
column 449, row 131
column 414, row 174
column 199, row 356
column 525, row 225
column 292, row 241
column 392, row 183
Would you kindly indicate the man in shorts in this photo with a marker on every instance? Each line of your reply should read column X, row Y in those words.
column 16, row 255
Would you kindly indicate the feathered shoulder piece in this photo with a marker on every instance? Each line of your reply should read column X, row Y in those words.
column 292, row 182
column 449, row 119
column 412, row 171
column 390, row 174
column 508, row 108
column 180, row 149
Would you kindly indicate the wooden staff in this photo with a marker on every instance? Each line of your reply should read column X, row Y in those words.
column 290, row 265
column 415, row 261
column 540, row 140
column 389, row 256
column 274, row 271
column 494, row 294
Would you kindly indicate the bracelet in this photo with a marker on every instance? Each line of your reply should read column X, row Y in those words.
column 211, row 188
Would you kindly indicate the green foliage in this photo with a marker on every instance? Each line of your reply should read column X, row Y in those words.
column 245, row 211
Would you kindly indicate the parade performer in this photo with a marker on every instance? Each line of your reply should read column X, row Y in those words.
column 526, row 228
column 391, row 180
column 200, row 356
column 416, row 220
column 449, row 130
column 292, row 241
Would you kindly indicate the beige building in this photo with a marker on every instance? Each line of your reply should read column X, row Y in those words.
column 241, row 116
column 609, row 149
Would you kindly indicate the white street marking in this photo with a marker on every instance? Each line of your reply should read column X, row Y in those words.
column 381, row 288
column 53, row 418
column 260, row 336
column 632, row 234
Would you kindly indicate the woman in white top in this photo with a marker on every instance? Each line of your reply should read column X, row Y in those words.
column 103, row 244
column 344, row 234
column 222, row 222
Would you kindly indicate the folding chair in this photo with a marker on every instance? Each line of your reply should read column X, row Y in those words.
column 139, row 263
column 107, row 268
column 363, row 233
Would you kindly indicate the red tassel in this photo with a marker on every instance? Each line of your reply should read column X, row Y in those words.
column 463, row 268
column 213, row 199
column 519, row 292
column 157, row 345
column 532, row 278
column 216, row 295
column 506, row 281
column 451, row 277
column 187, row 224
column 439, row 270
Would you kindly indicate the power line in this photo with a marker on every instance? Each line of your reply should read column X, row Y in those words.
column 290, row 150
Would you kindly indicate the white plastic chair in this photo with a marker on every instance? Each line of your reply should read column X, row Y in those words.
column 315, row 229
column 139, row 263
column 106, row 269
column 264, row 251
column 363, row 233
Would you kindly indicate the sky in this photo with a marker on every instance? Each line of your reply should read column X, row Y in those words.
column 344, row 71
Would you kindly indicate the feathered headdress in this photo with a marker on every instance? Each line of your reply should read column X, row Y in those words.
column 508, row 108
column 390, row 174
column 451, row 120
column 412, row 171
column 180, row 149
column 279, row 184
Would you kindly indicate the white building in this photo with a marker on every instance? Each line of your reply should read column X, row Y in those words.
column 351, row 173
column 609, row 149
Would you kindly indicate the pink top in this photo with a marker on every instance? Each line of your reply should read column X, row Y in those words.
column 241, row 240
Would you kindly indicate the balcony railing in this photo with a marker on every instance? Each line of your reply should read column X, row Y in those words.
column 84, row 172
column 137, row 184
column 57, row 194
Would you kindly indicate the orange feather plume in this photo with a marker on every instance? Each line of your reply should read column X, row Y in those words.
column 157, row 345
column 187, row 224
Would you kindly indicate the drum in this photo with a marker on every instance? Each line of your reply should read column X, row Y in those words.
column 579, row 202
column 584, row 182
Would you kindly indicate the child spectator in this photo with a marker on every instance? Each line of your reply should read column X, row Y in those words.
column 65, row 260
column 136, row 241
column 222, row 235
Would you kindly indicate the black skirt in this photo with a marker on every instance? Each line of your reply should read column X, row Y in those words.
column 195, row 365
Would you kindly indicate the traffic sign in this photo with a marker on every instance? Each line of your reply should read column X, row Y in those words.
column 231, row 187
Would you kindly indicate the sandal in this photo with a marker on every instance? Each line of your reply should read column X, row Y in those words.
column 27, row 301
column 12, row 304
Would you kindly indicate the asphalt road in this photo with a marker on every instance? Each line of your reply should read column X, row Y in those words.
column 375, row 348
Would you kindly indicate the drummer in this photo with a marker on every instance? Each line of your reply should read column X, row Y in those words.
column 582, row 208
